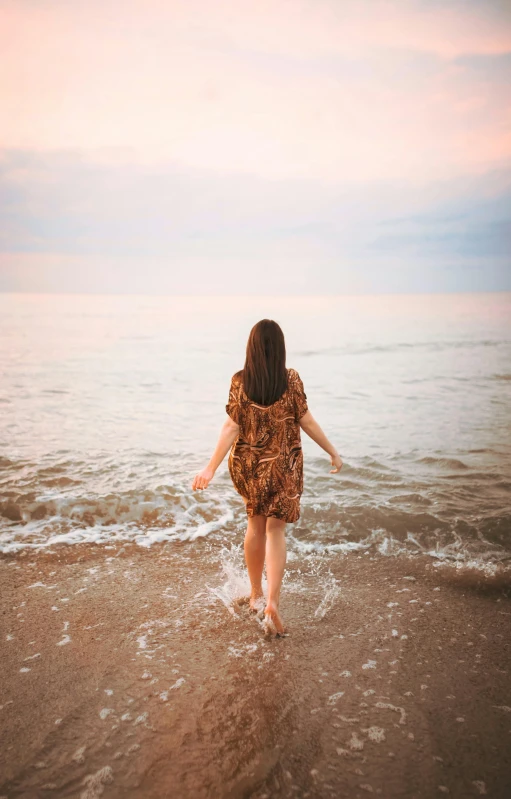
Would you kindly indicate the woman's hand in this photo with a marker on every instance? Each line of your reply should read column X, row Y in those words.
column 203, row 478
column 337, row 463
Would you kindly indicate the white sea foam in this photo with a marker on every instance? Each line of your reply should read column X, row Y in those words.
column 96, row 783
column 35, row 536
column 400, row 710
column 79, row 755
column 130, row 525
column 376, row 734
column 355, row 744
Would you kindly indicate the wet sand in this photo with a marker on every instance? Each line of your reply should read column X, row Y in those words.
column 124, row 675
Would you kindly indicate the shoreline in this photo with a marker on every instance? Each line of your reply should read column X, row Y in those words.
column 123, row 673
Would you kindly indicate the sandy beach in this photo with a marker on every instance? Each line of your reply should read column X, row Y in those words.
column 123, row 673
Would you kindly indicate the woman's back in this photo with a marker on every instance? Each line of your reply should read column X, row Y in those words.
column 293, row 395
column 266, row 460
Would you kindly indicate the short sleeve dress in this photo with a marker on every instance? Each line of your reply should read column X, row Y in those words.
column 266, row 460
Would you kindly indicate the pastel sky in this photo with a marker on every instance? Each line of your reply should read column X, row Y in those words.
column 270, row 147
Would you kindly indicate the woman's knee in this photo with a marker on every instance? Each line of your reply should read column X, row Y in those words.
column 274, row 525
column 257, row 524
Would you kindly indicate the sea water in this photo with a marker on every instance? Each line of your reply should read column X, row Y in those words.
column 109, row 405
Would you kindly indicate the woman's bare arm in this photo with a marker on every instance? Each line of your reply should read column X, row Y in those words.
column 228, row 435
column 310, row 426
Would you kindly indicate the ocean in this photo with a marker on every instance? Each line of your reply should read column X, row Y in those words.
column 110, row 405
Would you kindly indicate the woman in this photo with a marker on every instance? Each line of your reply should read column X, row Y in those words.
column 267, row 407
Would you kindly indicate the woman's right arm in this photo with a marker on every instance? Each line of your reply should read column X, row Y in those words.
column 309, row 425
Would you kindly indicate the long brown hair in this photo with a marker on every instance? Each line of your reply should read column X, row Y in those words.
column 264, row 374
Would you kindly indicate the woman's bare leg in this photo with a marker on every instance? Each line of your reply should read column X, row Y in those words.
column 255, row 545
column 275, row 565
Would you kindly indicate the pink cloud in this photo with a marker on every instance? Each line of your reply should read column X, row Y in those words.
column 176, row 82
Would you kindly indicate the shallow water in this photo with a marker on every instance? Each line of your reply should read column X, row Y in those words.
column 110, row 404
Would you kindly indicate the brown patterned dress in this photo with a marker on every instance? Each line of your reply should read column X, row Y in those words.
column 266, row 461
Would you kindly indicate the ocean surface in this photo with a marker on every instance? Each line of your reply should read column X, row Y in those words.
column 109, row 405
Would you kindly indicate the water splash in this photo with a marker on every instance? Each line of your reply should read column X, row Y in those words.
column 236, row 584
column 332, row 592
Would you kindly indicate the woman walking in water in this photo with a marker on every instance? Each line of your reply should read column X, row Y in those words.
column 267, row 407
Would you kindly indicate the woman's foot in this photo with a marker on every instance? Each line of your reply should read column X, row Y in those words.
column 272, row 622
column 256, row 602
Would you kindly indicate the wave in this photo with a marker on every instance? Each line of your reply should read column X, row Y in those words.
column 428, row 346
column 407, row 522
column 444, row 463
column 407, row 502
column 146, row 507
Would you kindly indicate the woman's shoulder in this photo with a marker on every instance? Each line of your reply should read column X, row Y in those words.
column 292, row 375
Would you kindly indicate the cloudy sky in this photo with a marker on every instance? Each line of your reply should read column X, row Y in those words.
column 269, row 147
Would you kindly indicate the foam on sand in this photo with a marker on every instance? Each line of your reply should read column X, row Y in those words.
column 96, row 783
column 400, row 710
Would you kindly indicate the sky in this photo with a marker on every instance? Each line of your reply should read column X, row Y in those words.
column 270, row 147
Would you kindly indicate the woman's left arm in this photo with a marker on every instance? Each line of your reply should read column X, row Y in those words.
column 228, row 435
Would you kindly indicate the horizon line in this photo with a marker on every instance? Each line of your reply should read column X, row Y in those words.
column 254, row 296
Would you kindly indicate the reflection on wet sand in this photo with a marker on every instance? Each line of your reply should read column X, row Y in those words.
column 137, row 672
